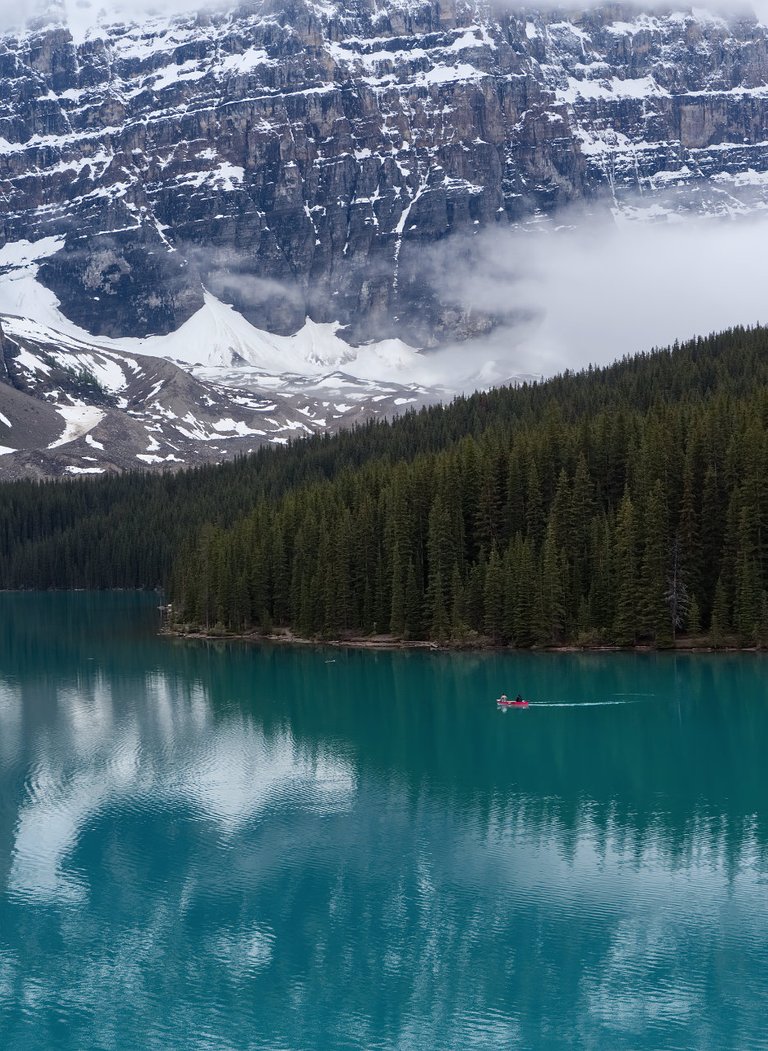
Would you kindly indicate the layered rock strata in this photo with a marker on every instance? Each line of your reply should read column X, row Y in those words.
column 310, row 157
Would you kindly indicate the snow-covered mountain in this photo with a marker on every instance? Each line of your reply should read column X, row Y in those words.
column 284, row 196
column 69, row 407
column 295, row 158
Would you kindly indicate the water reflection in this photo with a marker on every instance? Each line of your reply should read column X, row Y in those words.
column 165, row 752
column 365, row 854
column 10, row 723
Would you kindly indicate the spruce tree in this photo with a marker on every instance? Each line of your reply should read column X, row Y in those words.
column 494, row 597
column 625, row 626
column 657, row 618
column 552, row 626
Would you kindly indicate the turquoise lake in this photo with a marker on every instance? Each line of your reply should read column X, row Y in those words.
column 217, row 847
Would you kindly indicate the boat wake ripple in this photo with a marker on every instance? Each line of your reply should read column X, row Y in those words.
column 584, row 704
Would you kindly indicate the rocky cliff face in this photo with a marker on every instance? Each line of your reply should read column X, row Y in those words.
column 296, row 157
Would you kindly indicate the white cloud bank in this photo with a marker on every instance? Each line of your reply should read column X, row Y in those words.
column 84, row 14
column 600, row 290
column 718, row 7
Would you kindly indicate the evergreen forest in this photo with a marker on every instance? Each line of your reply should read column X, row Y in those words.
column 622, row 505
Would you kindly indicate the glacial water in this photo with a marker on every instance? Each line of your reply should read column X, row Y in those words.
column 211, row 847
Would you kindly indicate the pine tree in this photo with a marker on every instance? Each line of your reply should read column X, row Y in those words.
column 437, row 608
column 526, row 590
column 694, row 618
column 487, row 525
column 582, row 511
column 414, row 622
column 514, row 511
column 748, row 584
column 552, row 627
column 720, row 624
column 397, row 621
column 534, row 505
column 657, row 620
column 677, row 596
column 494, row 597
column 601, row 596
column 441, row 558
column 458, row 599
column 625, row 575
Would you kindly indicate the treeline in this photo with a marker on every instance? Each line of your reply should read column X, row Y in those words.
column 621, row 505
column 124, row 531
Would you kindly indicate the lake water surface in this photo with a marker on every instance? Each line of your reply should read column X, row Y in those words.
column 218, row 848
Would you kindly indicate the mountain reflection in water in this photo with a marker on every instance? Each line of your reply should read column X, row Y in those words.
column 219, row 846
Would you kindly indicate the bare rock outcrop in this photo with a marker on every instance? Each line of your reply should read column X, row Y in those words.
column 295, row 158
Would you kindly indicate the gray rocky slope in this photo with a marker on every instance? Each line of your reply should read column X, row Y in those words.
column 304, row 157
column 68, row 408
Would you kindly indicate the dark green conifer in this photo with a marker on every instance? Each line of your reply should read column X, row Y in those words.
column 625, row 628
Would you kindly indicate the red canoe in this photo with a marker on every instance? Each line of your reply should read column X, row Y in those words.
column 513, row 704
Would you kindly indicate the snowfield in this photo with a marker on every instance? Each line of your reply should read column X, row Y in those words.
column 218, row 339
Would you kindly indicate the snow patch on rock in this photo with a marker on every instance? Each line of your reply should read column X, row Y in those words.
column 79, row 419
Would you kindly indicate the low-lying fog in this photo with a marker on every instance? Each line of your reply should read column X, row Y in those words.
column 602, row 290
column 84, row 13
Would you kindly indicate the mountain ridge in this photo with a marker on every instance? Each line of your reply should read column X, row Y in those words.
column 69, row 408
column 297, row 161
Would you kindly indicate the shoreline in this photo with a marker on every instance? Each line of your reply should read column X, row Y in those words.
column 385, row 643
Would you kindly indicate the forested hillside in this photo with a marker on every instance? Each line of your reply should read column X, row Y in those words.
column 619, row 505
